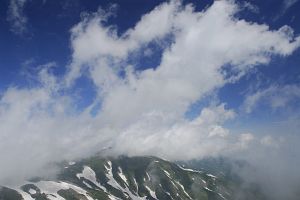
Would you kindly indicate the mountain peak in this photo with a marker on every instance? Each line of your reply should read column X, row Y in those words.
column 130, row 178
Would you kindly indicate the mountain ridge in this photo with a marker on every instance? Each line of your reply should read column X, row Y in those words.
column 132, row 178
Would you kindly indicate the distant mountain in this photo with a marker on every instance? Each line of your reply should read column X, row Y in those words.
column 132, row 178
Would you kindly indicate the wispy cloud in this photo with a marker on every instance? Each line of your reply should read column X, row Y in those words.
column 286, row 4
column 274, row 96
column 249, row 6
column 16, row 16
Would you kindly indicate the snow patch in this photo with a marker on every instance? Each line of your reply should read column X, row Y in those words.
column 152, row 193
column 112, row 181
column 87, row 185
column 89, row 174
column 221, row 196
column 32, row 191
column 169, row 194
column 149, row 178
column 122, row 176
column 189, row 170
column 72, row 163
column 24, row 195
column 182, row 187
column 136, row 185
column 111, row 197
column 167, row 173
column 210, row 175
column 50, row 188
column 208, row 189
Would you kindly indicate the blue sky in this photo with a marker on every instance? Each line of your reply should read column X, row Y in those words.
column 189, row 73
column 47, row 39
column 47, row 36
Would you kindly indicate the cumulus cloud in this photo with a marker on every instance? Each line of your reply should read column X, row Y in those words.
column 198, row 50
column 16, row 16
column 142, row 111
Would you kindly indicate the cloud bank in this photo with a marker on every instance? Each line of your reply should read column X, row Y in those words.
column 138, row 112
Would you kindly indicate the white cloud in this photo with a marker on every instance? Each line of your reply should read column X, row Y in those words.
column 203, row 136
column 249, row 6
column 16, row 17
column 143, row 111
column 271, row 141
column 274, row 96
column 286, row 5
column 245, row 139
column 191, row 67
column 92, row 40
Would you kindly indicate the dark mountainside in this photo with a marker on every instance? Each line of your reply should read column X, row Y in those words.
column 137, row 178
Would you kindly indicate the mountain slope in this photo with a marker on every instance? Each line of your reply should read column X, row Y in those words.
column 122, row 178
